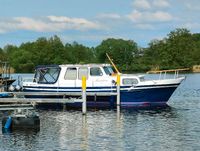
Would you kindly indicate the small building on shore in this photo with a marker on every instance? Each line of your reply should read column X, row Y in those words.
column 3, row 70
column 196, row 68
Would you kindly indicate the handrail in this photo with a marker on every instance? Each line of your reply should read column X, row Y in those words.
column 171, row 70
column 161, row 72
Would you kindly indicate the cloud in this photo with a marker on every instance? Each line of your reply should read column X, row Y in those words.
column 25, row 23
column 141, row 4
column 192, row 5
column 2, row 31
column 147, row 12
column 144, row 26
column 142, row 17
column 192, row 25
column 7, row 24
column 109, row 16
column 74, row 23
column 160, row 3
column 47, row 24
column 150, row 4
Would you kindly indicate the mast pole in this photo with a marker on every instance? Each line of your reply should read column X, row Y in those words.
column 112, row 63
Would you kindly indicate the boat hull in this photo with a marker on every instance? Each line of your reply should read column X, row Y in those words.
column 147, row 97
column 141, row 96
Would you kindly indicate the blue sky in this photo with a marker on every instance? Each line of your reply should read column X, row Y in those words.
column 91, row 21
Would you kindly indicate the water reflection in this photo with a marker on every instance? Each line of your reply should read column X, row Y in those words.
column 164, row 129
column 84, row 141
column 18, row 139
column 21, row 131
column 171, row 128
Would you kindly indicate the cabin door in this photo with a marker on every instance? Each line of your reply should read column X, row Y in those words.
column 93, row 75
column 97, row 78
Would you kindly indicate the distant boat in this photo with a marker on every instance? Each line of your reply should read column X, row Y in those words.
column 135, row 90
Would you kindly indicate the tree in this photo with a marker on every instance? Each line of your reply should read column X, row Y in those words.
column 178, row 49
column 77, row 53
column 21, row 61
column 175, row 51
column 123, row 52
column 2, row 55
column 196, row 49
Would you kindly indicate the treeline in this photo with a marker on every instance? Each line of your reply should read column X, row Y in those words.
column 179, row 49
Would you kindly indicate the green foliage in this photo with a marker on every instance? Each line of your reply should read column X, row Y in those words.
column 123, row 52
column 46, row 51
column 76, row 53
column 2, row 55
column 179, row 49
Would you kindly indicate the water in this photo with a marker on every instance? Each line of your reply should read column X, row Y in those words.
column 172, row 129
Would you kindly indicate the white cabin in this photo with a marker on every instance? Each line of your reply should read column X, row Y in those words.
column 70, row 75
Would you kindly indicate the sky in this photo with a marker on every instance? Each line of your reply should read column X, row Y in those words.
column 90, row 21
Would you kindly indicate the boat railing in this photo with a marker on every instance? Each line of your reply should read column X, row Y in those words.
column 29, row 80
column 163, row 73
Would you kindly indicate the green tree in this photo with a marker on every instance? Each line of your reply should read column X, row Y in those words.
column 196, row 49
column 2, row 55
column 178, row 49
column 55, row 51
column 21, row 61
column 123, row 52
column 77, row 53
column 175, row 51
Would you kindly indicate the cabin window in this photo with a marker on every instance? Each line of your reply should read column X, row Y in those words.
column 83, row 71
column 47, row 75
column 95, row 71
column 130, row 81
column 108, row 70
column 142, row 79
column 71, row 74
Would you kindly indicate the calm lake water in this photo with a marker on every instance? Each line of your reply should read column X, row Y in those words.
column 176, row 128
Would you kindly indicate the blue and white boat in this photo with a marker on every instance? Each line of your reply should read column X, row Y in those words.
column 134, row 89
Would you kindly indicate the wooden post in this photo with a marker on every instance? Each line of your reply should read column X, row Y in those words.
column 84, row 110
column 118, row 89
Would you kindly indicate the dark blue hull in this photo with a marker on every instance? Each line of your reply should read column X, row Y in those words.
column 147, row 97
column 139, row 97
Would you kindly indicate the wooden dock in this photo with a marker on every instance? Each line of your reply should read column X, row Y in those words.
column 6, row 107
column 63, row 97
column 18, row 94
column 18, row 101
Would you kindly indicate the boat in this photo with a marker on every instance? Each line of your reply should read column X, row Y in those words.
column 135, row 90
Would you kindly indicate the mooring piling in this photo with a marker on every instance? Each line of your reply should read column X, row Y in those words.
column 84, row 108
column 118, row 89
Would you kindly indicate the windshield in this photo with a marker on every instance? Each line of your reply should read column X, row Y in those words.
column 47, row 75
column 142, row 79
column 108, row 70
